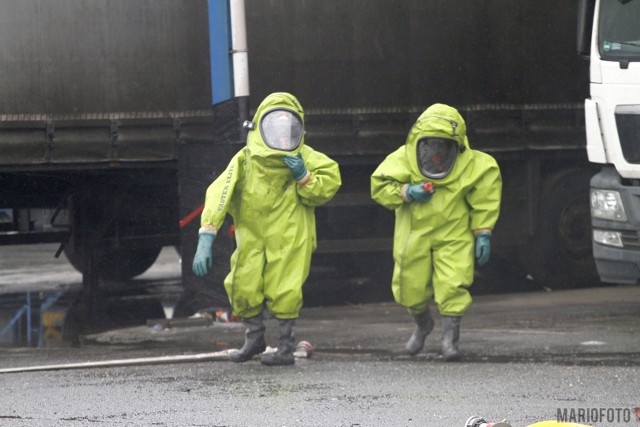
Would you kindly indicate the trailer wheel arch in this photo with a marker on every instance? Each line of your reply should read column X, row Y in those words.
column 561, row 253
column 120, row 264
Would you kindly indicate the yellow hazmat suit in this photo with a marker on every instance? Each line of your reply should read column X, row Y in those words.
column 273, row 216
column 554, row 423
column 433, row 247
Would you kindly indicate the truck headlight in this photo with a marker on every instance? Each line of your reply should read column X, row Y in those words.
column 606, row 204
column 609, row 238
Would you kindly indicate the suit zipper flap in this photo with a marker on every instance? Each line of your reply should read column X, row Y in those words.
column 454, row 124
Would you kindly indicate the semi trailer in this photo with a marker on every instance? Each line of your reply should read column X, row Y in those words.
column 116, row 115
column 98, row 98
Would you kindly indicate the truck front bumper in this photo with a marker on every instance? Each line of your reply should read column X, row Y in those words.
column 616, row 265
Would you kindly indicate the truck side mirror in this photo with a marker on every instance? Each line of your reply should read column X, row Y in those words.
column 586, row 10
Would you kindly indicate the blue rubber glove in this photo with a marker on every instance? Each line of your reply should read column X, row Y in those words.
column 416, row 193
column 483, row 247
column 296, row 164
column 203, row 260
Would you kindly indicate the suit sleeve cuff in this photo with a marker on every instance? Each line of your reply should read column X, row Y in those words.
column 209, row 229
column 305, row 179
column 403, row 193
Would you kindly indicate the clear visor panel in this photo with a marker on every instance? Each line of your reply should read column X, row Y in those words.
column 281, row 130
column 436, row 156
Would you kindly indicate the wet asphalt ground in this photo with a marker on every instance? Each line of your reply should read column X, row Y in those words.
column 526, row 357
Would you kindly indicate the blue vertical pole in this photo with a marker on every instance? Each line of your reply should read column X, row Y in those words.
column 220, row 47
column 29, row 318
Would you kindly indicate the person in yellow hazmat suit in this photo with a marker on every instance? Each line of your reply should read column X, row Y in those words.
column 476, row 421
column 438, row 231
column 270, row 188
column 553, row 423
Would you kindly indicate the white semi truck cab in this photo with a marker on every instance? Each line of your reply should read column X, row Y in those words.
column 609, row 35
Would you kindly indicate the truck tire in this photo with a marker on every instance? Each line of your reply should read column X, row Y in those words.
column 119, row 264
column 561, row 255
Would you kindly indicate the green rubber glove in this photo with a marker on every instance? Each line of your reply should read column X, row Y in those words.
column 417, row 193
column 483, row 247
column 203, row 260
column 296, row 164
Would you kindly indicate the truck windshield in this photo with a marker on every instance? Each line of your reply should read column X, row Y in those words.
column 619, row 30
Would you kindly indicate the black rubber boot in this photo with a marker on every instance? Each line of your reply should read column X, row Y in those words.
column 254, row 342
column 286, row 345
column 424, row 325
column 450, row 336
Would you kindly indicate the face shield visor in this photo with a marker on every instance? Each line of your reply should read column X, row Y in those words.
column 281, row 130
column 436, row 156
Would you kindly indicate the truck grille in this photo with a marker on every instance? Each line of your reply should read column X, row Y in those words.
column 628, row 123
column 630, row 240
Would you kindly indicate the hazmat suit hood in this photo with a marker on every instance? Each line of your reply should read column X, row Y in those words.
column 444, row 125
column 267, row 127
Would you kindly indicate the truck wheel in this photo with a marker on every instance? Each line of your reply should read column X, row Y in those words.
column 120, row 264
column 562, row 253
